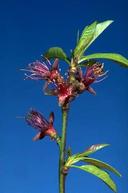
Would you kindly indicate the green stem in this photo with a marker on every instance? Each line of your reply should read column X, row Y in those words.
column 62, row 150
column 62, row 174
column 73, row 68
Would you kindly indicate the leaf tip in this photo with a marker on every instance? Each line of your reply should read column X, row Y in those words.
column 106, row 144
column 119, row 174
column 111, row 21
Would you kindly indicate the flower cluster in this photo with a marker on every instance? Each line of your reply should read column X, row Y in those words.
column 65, row 90
column 45, row 128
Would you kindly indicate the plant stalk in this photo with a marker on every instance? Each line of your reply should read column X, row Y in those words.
column 62, row 175
column 65, row 108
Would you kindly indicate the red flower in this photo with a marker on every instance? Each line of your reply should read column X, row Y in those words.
column 92, row 75
column 64, row 91
column 40, row 71
column 93, row 72
column 45, row 128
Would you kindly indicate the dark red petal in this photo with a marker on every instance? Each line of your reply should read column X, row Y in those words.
column 39, row 135
column 51, row 118
column 91, row 90
column 55, row 64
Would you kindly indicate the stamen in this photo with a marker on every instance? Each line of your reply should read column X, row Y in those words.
column 104, row 73
column 47, row 60
column 25, row 70
column 97, row 81
column 28, row 76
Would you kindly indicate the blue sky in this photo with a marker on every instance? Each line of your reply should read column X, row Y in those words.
column 28, row 28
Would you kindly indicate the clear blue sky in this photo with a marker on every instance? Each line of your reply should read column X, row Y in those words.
column 27, row 29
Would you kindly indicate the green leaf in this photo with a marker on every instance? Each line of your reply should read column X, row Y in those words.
column 85, row 39
column 110, row 56
column 80, row 156
column 104, row 176
column 92, row 149
column 101, row 164
column 56, row 52
column 73, row 159
column 100, row 27
column 89, row 34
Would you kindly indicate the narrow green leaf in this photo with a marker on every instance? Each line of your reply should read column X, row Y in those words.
column 92, row 149
column 110, row 56
column 56, row 52
column 73, row 159
column 80, row 156
column 104, row 176
column 100, row 27
column 101, row 164
column 86, row 37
